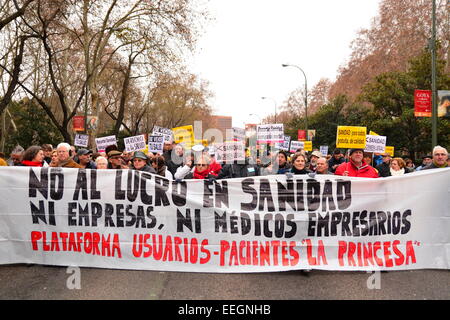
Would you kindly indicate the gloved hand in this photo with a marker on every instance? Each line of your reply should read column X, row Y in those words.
column 312, row 175
column 178, row 180
column 289, row 176
column 211, row 179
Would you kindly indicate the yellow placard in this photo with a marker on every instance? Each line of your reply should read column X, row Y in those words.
column 203, row 142
column 184, row 135
column 351, row 137
column 307, row 145
column 371, row 133
column 389, row 150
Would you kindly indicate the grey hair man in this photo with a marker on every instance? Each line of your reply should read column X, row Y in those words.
column 440, row 157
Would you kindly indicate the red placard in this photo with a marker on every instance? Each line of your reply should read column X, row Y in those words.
column 422, row 103
column 78, row 123
column 301, row 135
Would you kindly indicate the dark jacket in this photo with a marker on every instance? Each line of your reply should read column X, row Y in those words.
column 295, row 171
column 147, row 168
column 236, row 170
column 433, row 166
column 384, row 170
column 332, row 162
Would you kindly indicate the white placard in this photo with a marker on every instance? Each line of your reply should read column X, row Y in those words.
column 230, row 151
column 156, row 144
column 285, row 145
column 238, row 134
column 324, row 150
column 297, row 145
column 104, row 142
column 165, row 132
column 81, row 140
column 375, row 144
column 135, row 143
column 270, row 133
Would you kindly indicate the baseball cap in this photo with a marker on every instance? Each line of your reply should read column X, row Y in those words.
column 82, row 152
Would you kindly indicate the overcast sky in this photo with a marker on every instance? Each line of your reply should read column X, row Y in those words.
column 242, row 50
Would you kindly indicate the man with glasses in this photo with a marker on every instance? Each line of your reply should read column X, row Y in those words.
column 384, row 168
column 140, row 162
column 84, row 159
column 115, row 160
column 440, row 157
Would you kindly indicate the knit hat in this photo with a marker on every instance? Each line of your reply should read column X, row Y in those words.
column 356, row 149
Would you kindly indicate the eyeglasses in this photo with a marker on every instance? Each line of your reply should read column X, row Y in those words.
column 114, row 158
column 201, row 165
column 440, row 154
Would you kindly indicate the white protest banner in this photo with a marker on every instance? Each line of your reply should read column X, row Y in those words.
column 135, row 143
column 324, row 150
column 229, row 151
column 238, row 134
column 156, row 144
column 295, row 145
column 104, row 142
column 165, row 132
column 270, row 133
column 375, row 144
column 285, row 145
column 125, row 219
column 81, row 140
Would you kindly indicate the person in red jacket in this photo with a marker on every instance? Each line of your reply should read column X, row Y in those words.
column 356, row 167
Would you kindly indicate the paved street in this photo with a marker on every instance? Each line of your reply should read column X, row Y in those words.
column 43, row 282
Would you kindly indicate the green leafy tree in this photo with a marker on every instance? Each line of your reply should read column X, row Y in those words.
column 33, row 126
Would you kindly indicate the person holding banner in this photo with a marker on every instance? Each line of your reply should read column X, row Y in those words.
column 115, row 160
column 356, row 167
column 299, row 164
column 336, row 160
column 159, row 165
column 140, row 162
column 84, row 159
column 65, row 154
column 322, row 166
column 101, row 163
column 440, row 157
column 176, row 159
column 384, row 168
column 33, row 157
column 201, row 170
column 398, row 167
column 188, row 166
column 239, row 170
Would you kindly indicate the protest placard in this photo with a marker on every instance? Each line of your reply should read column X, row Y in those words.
column 284, row 145
column 307, row 145
column 295, row 145
column 104, row 142
column 229, row 151
column 156, row 144
column 238, row 134
column 270, row 133
column 351, row 137
column 390, row 151
column 184, row 135
column 135, row 143
column 324, row 150
column 165, row 132
column 81, row 140
column 375, row 144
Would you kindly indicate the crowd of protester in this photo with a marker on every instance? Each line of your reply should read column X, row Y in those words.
column 177, row 163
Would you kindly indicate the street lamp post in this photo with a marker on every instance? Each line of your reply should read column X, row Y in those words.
column 275, row 103
column 306, row 92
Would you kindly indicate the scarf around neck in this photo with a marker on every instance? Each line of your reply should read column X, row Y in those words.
column 200, row 175
column 397, row 173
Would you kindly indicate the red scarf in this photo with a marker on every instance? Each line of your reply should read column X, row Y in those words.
column 200, row 175
column 31, row 163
